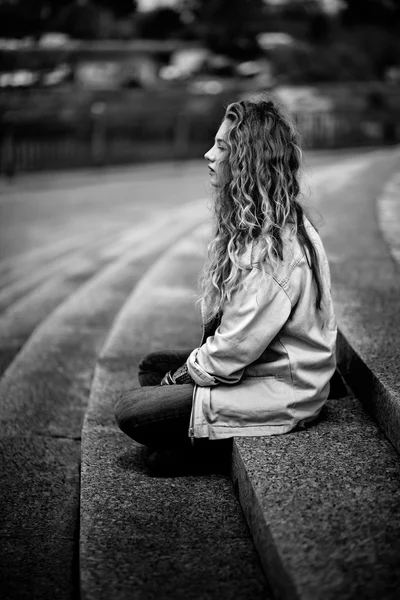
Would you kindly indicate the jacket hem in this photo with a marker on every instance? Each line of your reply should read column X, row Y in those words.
column 227, row 431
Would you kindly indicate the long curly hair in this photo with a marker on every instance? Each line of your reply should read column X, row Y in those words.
column 257, row 199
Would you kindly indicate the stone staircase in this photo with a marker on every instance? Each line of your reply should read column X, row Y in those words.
column 318, row 515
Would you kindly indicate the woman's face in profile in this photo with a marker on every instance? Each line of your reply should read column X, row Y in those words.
column 218, row 154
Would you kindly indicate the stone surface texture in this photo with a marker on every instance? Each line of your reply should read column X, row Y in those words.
column 39, row 512
column 165, row 537
column 142, row 536
column 324, row 507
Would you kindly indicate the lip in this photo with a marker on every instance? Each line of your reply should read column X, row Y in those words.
column 211, row 170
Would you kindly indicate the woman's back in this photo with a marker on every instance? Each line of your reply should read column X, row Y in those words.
column 303, row 352
column 273, row 354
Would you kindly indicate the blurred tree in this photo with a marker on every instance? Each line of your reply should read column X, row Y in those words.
column 335, row 62
column 120, row 8
column 226, row 26
column 381, row 13
column 19, row 18
column 300, row 9
column 159, row 24
column 306, row 19
column 80, row 19
column 373, row 26
column 321, row 28
column 380, row 47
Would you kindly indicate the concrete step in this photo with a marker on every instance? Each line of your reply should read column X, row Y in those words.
column 42, row 212
column 28, row 274
column 22, row 264
column 23, row 316
column 79, row 256
column 323, row 506
column 44, row 394
column 106, row 239
column 165, row 537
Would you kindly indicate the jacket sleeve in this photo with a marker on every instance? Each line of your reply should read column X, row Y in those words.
column 254, row 316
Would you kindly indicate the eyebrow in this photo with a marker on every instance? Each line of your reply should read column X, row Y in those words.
column 221, row 141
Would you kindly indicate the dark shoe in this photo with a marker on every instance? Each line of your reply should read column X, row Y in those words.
column 338, row 387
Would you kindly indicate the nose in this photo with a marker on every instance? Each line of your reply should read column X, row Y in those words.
column 208, row 156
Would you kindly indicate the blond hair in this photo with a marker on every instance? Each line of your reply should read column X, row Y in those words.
column 258, row 198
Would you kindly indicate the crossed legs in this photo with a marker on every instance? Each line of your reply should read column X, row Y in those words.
column 155, row 415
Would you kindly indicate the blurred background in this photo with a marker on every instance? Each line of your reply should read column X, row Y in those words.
column 98, row 82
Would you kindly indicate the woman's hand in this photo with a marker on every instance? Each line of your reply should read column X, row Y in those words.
column 167, row 379
column 179, row 377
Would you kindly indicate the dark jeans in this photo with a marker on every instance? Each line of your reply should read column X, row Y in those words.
column 155, row 415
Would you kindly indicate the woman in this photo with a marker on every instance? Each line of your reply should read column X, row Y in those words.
column 268, row 350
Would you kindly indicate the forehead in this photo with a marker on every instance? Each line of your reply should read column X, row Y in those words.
column 222, row 132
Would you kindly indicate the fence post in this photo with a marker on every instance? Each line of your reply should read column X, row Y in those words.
column 8, row 156
column 181, row 135
column 98, row 134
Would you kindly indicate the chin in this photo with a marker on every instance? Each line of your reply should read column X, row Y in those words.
column 213, row 180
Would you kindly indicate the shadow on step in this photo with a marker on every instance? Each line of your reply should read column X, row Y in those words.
column 203, row 458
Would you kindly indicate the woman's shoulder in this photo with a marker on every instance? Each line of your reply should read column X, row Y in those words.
column 255, row 253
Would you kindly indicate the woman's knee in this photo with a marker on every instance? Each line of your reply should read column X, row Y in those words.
column 125, row 411
column 150, row 360
column 132, row 416
column 150, row 371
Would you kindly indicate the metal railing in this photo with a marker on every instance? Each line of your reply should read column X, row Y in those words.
column 96, row 139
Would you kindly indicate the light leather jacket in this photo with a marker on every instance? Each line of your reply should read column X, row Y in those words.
column 266, row 366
